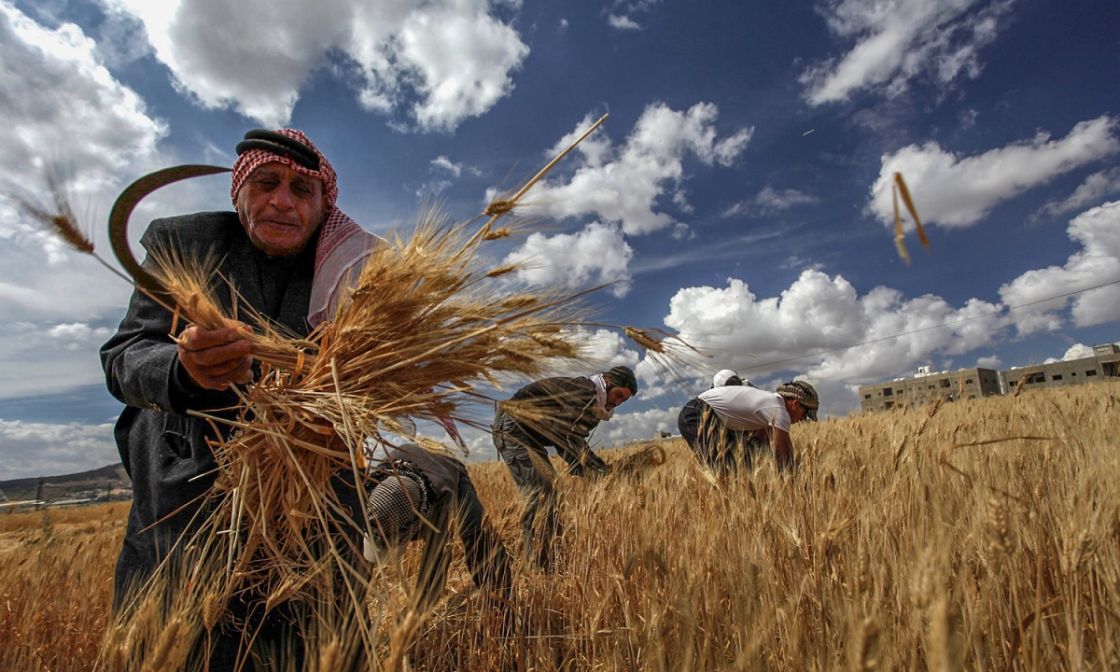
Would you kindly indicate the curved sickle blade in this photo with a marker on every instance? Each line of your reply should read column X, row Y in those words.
column 122, row 209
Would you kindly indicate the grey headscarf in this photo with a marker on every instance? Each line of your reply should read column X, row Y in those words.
column 396, row 504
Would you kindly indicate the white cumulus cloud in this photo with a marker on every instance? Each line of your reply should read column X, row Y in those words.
column 443, row 163
column 806, row 330
column 956, row 191
column 76, row 331
column 989, row 362
column 1075, row 351
column 635, row 426
column 622, row 14
column 1098, row 261
column 624, row 184
column 442, row 61
column 598, row 254
column 102, row 124
column 822, row 328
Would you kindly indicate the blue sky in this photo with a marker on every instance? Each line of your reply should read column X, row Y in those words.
column 738, row 193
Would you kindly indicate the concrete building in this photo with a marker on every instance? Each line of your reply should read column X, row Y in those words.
column 927, row 386
column 1104, row 364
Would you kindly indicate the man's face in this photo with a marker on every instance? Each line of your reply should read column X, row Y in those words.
column 616, row 395
column 797, row 410
column 280, row 209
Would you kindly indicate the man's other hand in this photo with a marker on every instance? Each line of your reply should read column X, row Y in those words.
column 215, row 358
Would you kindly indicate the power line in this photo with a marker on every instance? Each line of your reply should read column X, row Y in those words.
column 767, row 365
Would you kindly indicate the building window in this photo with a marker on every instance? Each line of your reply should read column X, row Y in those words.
column 1091, row 372
column 1056, row 376
column 867, row 396
column 1012, row 383
column 888, row 392
column 888, row 404
column 1033, row 378
column 946, row 383
column 968, row 381
column 1073, row 375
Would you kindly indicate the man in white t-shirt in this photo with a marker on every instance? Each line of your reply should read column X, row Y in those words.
column 726, row 425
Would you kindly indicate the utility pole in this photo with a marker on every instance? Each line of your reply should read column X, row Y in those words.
column 39, row 495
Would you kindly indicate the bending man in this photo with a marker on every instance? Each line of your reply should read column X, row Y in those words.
column 559, row 412
column 416, row 494
column 726, row 425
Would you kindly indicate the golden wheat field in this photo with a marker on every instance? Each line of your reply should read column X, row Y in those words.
column 983, row 536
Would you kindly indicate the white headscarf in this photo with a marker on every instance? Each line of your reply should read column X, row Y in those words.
column 600, row 408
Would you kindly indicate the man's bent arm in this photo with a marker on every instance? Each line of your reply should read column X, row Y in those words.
column 485, row 555
column 141, row 361
column 581, row 458
column 783, row 449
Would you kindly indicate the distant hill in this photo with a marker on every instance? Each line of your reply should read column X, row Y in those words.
column 67, row 486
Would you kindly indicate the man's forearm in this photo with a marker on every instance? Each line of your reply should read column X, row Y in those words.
column 783, row 449
column 581, row 458
column 485, row 554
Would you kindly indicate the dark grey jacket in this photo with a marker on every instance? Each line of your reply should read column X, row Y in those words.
column 163, row 449
column 562, row 416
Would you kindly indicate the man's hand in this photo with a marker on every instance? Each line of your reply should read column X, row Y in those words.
column 215, row 358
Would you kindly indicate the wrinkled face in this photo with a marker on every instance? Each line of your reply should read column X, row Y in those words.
column 617, row 395
column 280, row 209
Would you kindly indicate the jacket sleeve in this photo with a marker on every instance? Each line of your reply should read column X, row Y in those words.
column 573, row 445
column 581, row 458
column 141, row 360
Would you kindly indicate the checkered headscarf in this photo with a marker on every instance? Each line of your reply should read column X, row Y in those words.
column 397, row 502
column 254, row 158
column 803, row 392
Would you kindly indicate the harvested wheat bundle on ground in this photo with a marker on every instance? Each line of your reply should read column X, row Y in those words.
column 258, row 426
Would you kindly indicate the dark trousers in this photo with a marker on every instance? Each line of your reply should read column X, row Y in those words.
column 534, row 476
column 718, row 448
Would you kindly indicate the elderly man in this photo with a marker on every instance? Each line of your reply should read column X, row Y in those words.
column 559, row 412
column 285, row 251
column 726, row 425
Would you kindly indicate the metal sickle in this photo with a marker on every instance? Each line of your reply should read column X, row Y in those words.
column 122, row 209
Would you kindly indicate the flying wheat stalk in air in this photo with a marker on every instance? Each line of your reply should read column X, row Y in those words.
column 898, row 187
